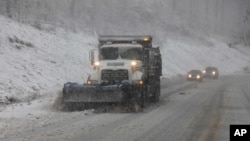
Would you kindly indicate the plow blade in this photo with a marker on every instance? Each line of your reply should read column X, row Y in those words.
column 73, row 92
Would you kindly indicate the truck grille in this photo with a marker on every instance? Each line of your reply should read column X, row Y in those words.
column 114, row 75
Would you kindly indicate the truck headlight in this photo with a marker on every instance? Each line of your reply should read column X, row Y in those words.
column 134, row 63
column 96, row 63
column 92, row 82
column 89, row 82
column 146, row 39
column 140, row 82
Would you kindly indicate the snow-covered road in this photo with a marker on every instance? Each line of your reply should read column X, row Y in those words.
column 187, row 111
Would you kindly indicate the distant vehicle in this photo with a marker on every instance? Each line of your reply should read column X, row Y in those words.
column 211, row 72
column 194, row 75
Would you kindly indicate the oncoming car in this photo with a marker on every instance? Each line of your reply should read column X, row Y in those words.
column 194, row 75
column 211, row 72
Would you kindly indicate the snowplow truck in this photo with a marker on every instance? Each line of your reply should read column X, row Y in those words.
column 126, row 69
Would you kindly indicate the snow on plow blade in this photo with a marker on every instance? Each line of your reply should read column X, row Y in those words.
column 73, row 92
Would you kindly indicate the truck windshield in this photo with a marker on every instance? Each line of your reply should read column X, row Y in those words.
column 127, row 53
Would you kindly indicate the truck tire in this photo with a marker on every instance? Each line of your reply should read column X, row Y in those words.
column 156, row 90
column 156, row 94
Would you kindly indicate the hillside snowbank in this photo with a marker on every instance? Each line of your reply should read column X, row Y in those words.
column 35, row 62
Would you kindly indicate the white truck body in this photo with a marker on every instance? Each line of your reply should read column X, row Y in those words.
column 132, row 66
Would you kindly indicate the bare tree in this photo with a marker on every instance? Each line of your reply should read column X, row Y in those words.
column 8, row 6
column 247, row 21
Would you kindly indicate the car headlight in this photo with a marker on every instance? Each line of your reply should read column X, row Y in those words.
column 214, row 72
column 198, row 76
column 204, row 71
column 189, row 75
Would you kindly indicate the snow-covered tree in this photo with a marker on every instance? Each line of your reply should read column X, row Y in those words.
column 140, row 16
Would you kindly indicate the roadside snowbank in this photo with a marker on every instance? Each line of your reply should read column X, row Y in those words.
column 35, row 62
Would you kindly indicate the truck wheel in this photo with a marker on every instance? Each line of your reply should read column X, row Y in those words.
column 156, row 96
column 156, row 91
column 143, row 97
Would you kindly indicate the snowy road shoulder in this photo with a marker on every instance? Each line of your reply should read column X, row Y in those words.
column 25, row 119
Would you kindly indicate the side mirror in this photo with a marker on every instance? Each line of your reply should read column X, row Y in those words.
column 93, row 56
